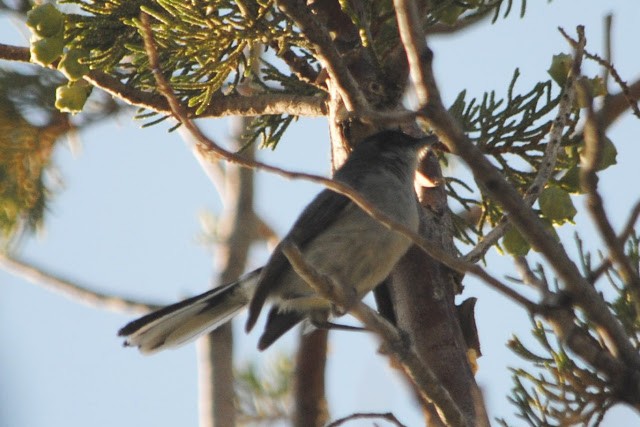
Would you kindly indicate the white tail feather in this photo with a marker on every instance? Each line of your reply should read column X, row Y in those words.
column 170, row 328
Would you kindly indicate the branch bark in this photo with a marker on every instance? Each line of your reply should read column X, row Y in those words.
column 220, row 106
column 617, row 104
column 548, row 163
column 594, row 143
column 529, row 225
column 326, row 51
column 73, row 290
column 310, row 405
column 428, row 385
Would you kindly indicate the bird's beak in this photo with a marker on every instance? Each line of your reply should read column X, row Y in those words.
column 427, row 141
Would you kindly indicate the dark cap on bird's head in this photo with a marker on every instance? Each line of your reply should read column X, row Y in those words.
column 391, row 144
column 393, row 139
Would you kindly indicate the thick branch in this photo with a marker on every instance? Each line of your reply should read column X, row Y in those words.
column 413, row 39
column 220, row 105
column 309, row 389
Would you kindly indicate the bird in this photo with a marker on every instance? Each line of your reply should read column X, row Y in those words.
column 336, row 238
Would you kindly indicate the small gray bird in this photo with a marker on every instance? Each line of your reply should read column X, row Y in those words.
column 336, row 237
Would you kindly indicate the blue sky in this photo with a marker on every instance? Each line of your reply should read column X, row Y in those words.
column 127, row 222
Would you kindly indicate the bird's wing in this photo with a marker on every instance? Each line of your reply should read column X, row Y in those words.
column 277, row 324
column 382, row 297
column 318, row 215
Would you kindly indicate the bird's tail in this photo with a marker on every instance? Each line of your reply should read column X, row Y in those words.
column 184, row 321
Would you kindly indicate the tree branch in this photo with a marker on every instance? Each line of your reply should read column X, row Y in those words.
column 14, row 53
column 318, row 35
column 526, row 221
column 548, row 162
column 460, row 25
column 615, row 105
column 593, row 143
column 388, row 416
column 309, row 388
column 630, row 224
column 424, row 379
column 220, row 106
column 624, row 379
column 73, row 290
column 630, row 98
column 298, row 65
column 413, row 40
column 556, row 309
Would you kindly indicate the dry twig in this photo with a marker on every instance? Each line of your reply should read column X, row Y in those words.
column 550, row 155
column 593, row 143
column 327, row 53
column 388, row 416
column 73, row 290
column 220, row 106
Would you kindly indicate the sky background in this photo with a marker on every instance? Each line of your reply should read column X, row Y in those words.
column 127, row 222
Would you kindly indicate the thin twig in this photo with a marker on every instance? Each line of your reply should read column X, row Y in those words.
column 220, row 106
column 627, row 230
column 327, row 53
column 615, row 105
column 73, row 290
column 460, row 25
column 388, row 416
column 608, row 53
column 529, row 278
column 626, row 91
column 630, row 224
column 298, row 65
column 593, row 144
column 614, row 73
column 425, row 380
column 548, row 162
